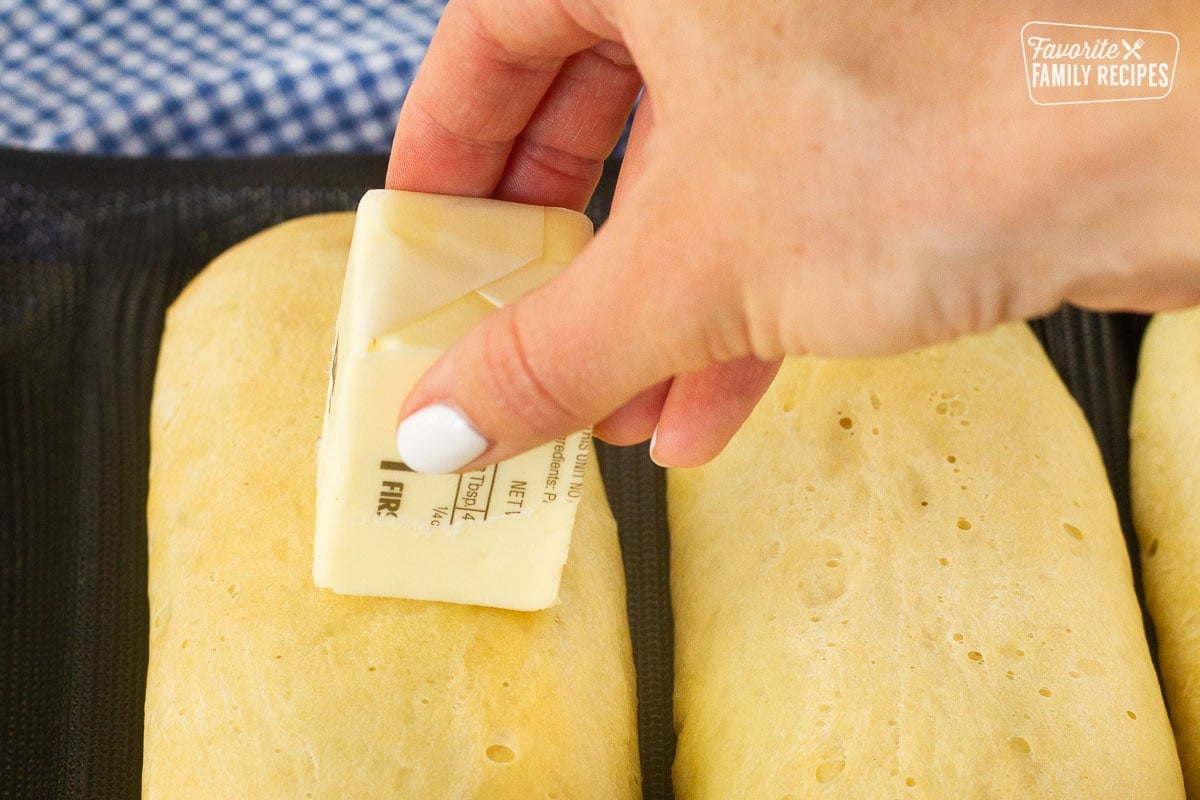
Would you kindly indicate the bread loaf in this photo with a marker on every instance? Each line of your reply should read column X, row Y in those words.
column 262, row 685
column 1165, row 482
column 905, row 578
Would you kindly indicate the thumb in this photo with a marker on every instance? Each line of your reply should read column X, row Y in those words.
column 619, row 320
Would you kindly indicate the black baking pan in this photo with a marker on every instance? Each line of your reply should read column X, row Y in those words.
column 92, row 251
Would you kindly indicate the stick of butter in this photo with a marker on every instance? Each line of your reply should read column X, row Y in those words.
column 422, row 270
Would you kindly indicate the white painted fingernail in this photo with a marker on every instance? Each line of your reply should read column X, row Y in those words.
column 654, row 446
column 438, row 439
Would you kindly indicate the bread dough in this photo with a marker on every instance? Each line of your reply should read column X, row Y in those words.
column 261, row 684
column 905, row 578
column 1165, row 480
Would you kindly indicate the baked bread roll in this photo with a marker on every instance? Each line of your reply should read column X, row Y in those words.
column 905, row 578
column 262, row 685
column 1165, row 481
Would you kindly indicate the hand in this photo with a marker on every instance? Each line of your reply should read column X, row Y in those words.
column 837, row 179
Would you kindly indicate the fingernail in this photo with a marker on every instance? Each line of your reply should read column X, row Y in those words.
column 653, row 447
column 438, row 439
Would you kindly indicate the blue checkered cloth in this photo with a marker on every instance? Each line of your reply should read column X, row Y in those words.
column 208, row 77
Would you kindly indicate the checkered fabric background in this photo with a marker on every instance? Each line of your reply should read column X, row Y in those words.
column 207, row 77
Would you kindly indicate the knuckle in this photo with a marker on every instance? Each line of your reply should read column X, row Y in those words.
column 564, row 163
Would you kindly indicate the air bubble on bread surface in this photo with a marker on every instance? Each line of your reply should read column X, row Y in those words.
column 500, row 754
column 828, row 770
column 503, row 749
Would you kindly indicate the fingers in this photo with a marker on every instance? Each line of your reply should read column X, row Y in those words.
column 558, row 158
column 482, row 78
column 634, row 161
column 703, row 410
column 521, row 104
column 635, row 421
column 577, row 349
column 691, row 417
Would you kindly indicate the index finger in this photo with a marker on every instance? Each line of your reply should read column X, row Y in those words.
column 488, row 67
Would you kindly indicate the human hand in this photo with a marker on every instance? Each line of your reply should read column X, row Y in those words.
column 837, row 179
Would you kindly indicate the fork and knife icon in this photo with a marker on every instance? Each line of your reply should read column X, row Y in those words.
column 1132, row 49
